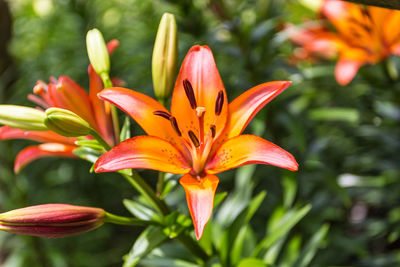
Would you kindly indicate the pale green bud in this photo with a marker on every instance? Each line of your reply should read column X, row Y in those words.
column 165, row 57
column 97, row 51
column 21, row 117
column 66, row 123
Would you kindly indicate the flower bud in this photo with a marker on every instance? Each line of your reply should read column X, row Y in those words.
column 165, row 57
column 66, row 123
column 52, row 220
column 97, row 51
column 22, row 117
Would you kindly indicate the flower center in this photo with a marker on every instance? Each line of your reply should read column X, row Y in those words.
column 198, row 144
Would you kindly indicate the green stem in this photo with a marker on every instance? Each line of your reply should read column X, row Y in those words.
column 116, row 219
column 160, row 183
column 100, row 139
column 114, row 114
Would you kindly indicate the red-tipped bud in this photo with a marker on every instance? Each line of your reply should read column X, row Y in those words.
column 52, row 220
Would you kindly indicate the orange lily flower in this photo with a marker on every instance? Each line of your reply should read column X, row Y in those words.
column 364, row 35
column 200, row 137
column 67, row 94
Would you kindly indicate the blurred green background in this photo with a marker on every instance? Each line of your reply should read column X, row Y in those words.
column 345, row 138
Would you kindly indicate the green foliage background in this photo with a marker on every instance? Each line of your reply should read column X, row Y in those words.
column 346, row 139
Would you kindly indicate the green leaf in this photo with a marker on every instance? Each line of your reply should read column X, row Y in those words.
column 289, row 184
column 234, row 240
column 219, row 197
column 253, row 262
column 126, row 130
column 289, row 220
column 239, row 198
column 335, row 114
column 140, row 211
column 148, row 240
column 308, row 253
column 292, row 250
column 87, row 154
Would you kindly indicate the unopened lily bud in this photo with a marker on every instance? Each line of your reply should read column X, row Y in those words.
column 165, row 57
column 25, row 118
column 52, row 220
column 66, row 123
column 97, row 51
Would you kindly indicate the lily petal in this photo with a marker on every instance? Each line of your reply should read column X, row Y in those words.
column 69, row 95
column 346, row 70
column 200, row 70
column 7, row 133
column 141, row 107
column 31, row 153
column 249, row 149
column 147, row 152
column 200, row 199
column 101, row 114
column 246, row 106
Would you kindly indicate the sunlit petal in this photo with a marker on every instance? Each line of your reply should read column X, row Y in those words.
column 67, row 94
column 7, row 133
column 200, row 199
column 141, row 108
column 31, row 153
column 246, row 106
column 147, row 152
column 249, row 149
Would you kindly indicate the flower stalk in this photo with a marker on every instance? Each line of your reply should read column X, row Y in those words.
column 121, row 220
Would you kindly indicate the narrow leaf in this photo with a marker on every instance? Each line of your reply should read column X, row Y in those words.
column 148, row 240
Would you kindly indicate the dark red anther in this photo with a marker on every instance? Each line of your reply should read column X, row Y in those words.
column 213, row 130
column 174, row 124
column 163, row 114
column 194, row 139
column 190, row 93
column 219, row 103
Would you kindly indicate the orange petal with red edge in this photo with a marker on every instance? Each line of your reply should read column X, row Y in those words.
column 69, row 95
column 249, row 149
column 246, row 106
column 200, row 199
column 143, row 152
column 141, row 107
column 346, row 70
column 7, row 133
column 31, row 153
column 200, row 70
column 111, row 45
column 101, row 114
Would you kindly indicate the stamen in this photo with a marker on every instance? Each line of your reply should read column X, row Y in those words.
column 194, row 139
column 163, row 114
column 200, row 115
column 39, row 101
column 213, row 130
column 174, row 124
column 189, row 93
column 219, row 103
